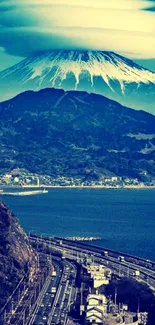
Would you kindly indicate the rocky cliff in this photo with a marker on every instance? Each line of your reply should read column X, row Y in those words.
column 16, row 254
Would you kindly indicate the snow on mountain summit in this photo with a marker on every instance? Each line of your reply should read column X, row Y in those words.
column 107, row 65
column 101, row 72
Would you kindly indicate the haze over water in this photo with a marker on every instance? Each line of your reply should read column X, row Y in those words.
column 125, row 219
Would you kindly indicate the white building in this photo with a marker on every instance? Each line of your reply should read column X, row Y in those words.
column 95, row 315
column 97, row 308
column 100, row 275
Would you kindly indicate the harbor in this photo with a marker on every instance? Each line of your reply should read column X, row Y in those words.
column 23, row 193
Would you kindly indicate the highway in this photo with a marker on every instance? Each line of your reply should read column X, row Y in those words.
column 121, row 267
column 59, row 295
column 42, row 313
column 122, row 264
column 59, row 292
column 65, row 295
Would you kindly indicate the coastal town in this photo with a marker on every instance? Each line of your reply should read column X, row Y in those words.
column 23, row 178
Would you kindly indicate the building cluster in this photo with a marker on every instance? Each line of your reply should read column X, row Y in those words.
column 22, row 177
column 100, row 309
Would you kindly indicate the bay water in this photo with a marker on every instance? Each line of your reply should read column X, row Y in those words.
column 124, row 219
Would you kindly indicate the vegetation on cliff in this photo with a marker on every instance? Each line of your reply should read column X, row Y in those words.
column 16, row 254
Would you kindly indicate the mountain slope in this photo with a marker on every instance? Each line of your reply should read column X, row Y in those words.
column 16, row 254
column 75, row 134
column 100, row 72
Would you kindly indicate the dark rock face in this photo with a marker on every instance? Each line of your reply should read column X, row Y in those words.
column 75, row 134
column 16, row 254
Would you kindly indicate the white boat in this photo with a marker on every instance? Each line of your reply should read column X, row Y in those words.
column 24, row 193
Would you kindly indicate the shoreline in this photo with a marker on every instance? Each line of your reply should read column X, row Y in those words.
column 81, row 187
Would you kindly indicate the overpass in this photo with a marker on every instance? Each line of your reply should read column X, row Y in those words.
column 121, row 263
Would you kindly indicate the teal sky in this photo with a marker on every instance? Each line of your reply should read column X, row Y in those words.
column 29, row 26
column 148, row 64
column 7, row 60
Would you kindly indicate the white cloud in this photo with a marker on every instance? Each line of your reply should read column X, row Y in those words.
column 116, row 25
column 111, row 4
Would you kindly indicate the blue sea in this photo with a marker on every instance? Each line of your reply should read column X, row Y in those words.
column 125, row 219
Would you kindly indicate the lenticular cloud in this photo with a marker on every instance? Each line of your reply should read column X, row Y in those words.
column 83, row 24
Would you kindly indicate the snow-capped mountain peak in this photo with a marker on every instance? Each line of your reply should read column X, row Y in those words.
column 107, row 65
column 102, row 72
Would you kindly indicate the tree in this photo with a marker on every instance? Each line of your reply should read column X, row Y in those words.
column 137, row 296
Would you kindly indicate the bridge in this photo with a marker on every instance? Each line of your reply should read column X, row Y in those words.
column 121, row 263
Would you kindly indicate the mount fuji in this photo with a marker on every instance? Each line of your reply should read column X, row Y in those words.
column 100, row 72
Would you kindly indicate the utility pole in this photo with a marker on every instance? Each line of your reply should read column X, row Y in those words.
column 138, row 308
column 115, row 298
column 128, row 271
column 119, row 272
column 81, row 307
column 38, row 264
column 81, row 293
